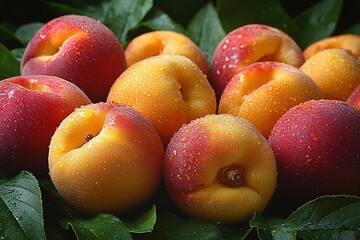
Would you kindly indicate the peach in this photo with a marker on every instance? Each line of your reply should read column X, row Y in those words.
column 249, row 44
column 262, row 92
column 354, row 98
column 220, row 168
column 170, row 90
column 79, row 49
column 317, row 148
column 336, row 71
column 164, row 42
column 105, row 158
column 349, row 42
column 32, row 108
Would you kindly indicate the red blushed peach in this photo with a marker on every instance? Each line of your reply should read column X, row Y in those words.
column 336, row 71
column 105, row 158
column 350, row 42
column 262, row 92
column 164, row 42
column 354, row 98
column 317, row 148
column 170, row 90
column 220, row 168
column 78, row 49
column 249, row 44
column 31, row 109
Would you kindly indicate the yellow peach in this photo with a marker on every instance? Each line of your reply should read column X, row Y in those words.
column 170, row 90
column 336, row 71
column 262, row 92
column 349, row 42
column 164, row 42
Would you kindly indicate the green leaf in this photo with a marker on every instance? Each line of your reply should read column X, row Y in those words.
column 318, row 21
column 144, row 223
column 95, row 9
column 21, row 208
column 170, row 226
column 329, row 217
column 122, row 16
column 159, row 20
column 235, row 13
column 25, row 32
column 355, row 29
column 6, row 34
column 102, row 226
column 273, row 228
column 18, row 53
column 206, row 31
column 9, row 65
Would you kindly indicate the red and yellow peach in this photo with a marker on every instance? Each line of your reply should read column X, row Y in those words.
column 317, row 149
column 79, row 49
column 105, row 158
column 249, row 44
column 31, row 109
column 220, row 168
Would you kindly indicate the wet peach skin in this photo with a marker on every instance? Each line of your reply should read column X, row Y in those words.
column 79, row 49
column 170, row 90
column 336, row 71
column 262, row 92
column 317, row 149
column 164, row 42
column 32, row 108
column 220, row 168
column 350, row 42
column 249, row 44
column 105, row 158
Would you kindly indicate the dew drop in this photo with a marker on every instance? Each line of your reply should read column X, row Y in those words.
column 185, row 139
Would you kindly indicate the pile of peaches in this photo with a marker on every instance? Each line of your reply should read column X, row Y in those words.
column 109, row 124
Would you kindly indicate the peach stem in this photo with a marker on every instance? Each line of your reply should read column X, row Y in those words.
column 232, row 176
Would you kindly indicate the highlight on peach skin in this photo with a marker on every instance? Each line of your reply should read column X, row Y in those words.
column 317, row 149
column 220, row 168
column 105, row 158
column 336, row 71
column 170, row 90
column 262, row 92
column 354, row 98
column 350, row 42
column 79, row 49
column 32, row 108
column 249, row 44
column 164, row 42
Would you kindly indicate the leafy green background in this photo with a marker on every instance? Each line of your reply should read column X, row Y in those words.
column 31, row 208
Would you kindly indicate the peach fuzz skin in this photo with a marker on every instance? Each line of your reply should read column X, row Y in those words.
column 262, row 92
column 220, row 168
column 170, row 90
column 354, row 98
column 32, row 108
column 249, row 44
column 79, row 49
column 317, row 148
column 106, row 158
column 336, row 71
column 164, row 42
column 350, row 42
